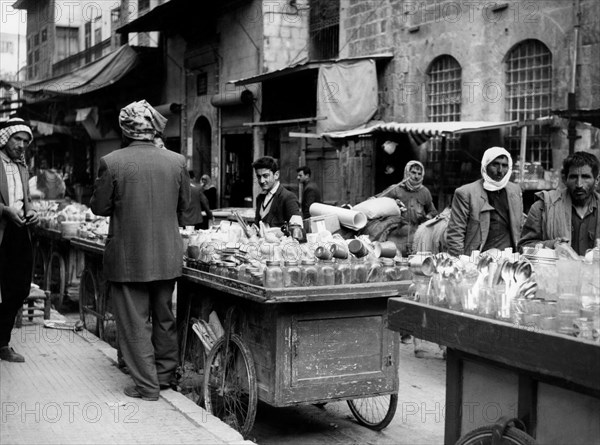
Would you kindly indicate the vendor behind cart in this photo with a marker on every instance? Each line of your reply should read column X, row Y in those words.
column 275, row 205
column 568, row 214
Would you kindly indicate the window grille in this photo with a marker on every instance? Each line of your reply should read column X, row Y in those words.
column 444, row 97
column 528, row 96
column 324, row 29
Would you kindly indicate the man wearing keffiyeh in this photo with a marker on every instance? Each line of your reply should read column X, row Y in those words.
column 144, row 189
column 487, row 213
column 16, row 216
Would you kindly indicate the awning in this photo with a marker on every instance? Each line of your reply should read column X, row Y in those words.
column 305, row 65
column 421, row 131
column 91, row 77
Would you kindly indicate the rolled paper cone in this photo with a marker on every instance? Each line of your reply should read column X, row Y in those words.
column 385, row 249
column 348, row 218
column 322, row 253
column 357, row 248
column 339, row 251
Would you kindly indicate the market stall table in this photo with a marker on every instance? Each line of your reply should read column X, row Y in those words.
column 494, row 368
column 296, row 346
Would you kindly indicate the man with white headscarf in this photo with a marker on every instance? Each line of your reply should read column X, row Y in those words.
column 16, row 216
column 486, row 213
column 144, row 189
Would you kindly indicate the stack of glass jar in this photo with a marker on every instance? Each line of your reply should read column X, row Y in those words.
column 565, row 298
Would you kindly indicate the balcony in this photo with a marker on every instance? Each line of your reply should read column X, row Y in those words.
column 81, row 58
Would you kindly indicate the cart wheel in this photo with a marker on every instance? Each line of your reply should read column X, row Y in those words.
column 484, row 436
column 56, row 277
column 230, row 390
column 89, row 311
column 39, row 265
column 374, row 412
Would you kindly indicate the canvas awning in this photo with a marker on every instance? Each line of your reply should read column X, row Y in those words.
column 91, row 77
column 421, row 131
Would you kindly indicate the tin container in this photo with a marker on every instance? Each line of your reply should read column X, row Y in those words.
column 421, row 264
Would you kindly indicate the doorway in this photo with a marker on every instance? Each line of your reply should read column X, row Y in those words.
column 236, row 171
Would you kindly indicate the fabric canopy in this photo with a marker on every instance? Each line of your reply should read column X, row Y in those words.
column 93, row 76
column 421, row 130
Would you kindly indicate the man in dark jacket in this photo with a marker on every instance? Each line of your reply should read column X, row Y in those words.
column 568, row 214
column 16, row 216
column 310, row 193
column 144, row 189
column 276, row 205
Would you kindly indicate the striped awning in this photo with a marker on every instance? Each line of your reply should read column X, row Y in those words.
column 420, row 132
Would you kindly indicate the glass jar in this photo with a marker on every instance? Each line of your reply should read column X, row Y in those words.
column 273, row 274
column 343, row 272
column 326, row 273
column 212, row 269
column 402, row 271
column 419, row 289
column 256, row 278
column 359, row 271
column 374, row 271
column 291, row 274
column 309, row 274
column 388, row 271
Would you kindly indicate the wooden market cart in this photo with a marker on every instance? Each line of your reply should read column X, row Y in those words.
column 298, row 345
column 496, row 369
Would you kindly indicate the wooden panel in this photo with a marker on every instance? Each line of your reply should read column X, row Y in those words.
column 488, row 393
column 567, row 417
column 332, row 348
column 545, row 353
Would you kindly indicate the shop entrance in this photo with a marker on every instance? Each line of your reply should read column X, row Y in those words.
column 236, row 171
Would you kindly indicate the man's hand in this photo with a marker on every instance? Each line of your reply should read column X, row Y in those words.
column 32, row 218
column 16, row 216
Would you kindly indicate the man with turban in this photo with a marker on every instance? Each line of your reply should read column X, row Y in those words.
column 16, row 215
column 144, row 189
column 486, row 213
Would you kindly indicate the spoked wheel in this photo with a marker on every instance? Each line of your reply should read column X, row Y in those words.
column 56, row 278
column 39, row 265
column 484, row 436
column 230, row 390
column 374, row 412
column 107, row 326
column 89, row 310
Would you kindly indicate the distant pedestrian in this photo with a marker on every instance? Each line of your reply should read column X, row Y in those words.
column 210, row 191
column 144, row 189
column 310, row 193
column 192, row 216
column 16, row 216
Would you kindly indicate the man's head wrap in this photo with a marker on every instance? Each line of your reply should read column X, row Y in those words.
column 12, row 126
column 408, row 182
column 489, row 155
column 140, row 121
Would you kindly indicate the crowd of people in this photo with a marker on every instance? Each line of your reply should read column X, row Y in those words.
column 149, row 203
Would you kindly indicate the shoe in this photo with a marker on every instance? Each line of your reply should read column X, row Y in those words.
column 167, row 386
column 8, row 354
column 406, row 339
column 132, row 391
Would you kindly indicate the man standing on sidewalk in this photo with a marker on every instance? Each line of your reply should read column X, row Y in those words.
column 311, row 192
column 16, row 214
column 144, row 190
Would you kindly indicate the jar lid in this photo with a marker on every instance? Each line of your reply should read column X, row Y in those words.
column 308, row 262
column 273, row 263
column 291, row 263
column 387, row 261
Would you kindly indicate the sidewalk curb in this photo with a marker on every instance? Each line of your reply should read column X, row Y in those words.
column 188, row 408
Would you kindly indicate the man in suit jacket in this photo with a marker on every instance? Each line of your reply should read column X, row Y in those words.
column 275, row 205
column 311, row 192
column 16, row 215
column 486, row 213
column 144, row 190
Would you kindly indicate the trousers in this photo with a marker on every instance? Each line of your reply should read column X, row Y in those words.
column 147, row 332
column 16, row 263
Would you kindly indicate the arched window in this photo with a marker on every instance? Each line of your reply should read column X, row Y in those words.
column 528, row 96
column 444, row 89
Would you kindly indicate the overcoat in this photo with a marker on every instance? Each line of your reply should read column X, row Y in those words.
column 144, row 190
column 469, row 223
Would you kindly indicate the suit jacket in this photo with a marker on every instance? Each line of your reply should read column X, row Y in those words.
column 283, row 207
column 310, row 195
column 198, row 202
column 469, row 223
column 144, row 190
column 4, row 195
